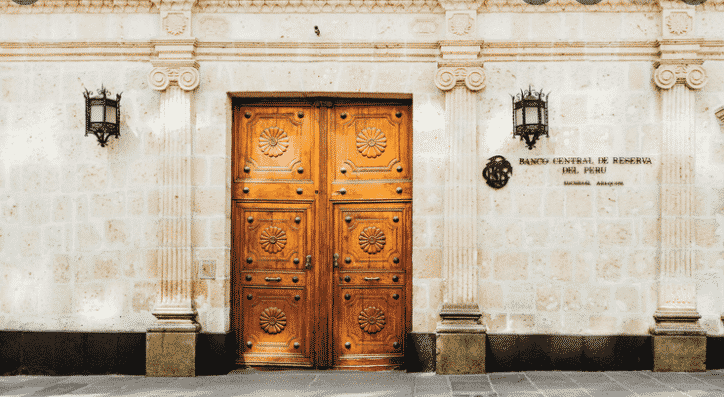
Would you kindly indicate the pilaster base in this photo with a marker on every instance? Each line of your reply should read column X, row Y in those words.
column 170, row 353
column 460, row 341
column 679, row 353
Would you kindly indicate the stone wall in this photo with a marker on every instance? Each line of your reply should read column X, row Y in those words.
column 78, row 227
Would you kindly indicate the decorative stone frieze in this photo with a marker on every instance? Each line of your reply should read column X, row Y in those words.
column 340, row 6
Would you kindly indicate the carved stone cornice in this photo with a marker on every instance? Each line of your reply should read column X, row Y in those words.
column 346, row 6
column 187, row 77
column 80, row 7
column 668, row 75
column 458, row 5
column 175, row 5
column 450, row 74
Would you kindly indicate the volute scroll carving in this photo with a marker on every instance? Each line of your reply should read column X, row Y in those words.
column 694, row 76
column 187, row 78
column 447, row 77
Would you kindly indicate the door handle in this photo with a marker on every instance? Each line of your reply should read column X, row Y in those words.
column 273, row 278
column 371, row 278
column 308, row 263
column 334, row 262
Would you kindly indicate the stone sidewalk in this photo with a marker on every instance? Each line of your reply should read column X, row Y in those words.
column 376, row 384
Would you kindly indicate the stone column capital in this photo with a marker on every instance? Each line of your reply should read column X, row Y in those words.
column 447, row 77
column 186, row 77
column 668, row 75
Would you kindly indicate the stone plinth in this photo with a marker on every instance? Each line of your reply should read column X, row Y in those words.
column 460, row 353
column 460, row 340
column 170, row 353
column 679, row 353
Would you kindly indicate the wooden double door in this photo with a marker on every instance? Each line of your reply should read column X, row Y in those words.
column 321, row 229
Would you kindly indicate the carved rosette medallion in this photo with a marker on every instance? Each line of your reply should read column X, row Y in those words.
column 447, row 77
column 273, row 239
column 371, row 142
column 175, row 23
column 679, row 23
column 273, row 320
column 694, row 76
column 372, row 240
column 460, row 24
column 372, row 320
column 273, row 141
column 186, row 77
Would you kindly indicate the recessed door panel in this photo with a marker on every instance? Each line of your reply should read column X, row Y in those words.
column 371, row 143
column 370, row 327
column 275, row 144
column 275, row 237
column 275, row 326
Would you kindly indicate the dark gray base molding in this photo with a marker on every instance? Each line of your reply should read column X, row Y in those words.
column 83, row 353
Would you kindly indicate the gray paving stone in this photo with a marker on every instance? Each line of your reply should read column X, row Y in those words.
column 585, row 378
column 483, row 394
column 59, row 389
column 611, row 393
column 521, row 394
column 551, row 380
column 511, row 382
column 312, row 383
column 470, row 383
column 565, row 393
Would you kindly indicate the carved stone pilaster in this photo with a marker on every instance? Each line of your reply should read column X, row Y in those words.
column 171, row 341
column 460, row 336
column 679, row 340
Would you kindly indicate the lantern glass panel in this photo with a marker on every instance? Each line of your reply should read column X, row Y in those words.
column 531, row 115
column 518, row 117
column 111, row 114
column 97, row 113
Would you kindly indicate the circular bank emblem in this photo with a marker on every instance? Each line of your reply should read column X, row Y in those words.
column 25, row 2
column 497, row 172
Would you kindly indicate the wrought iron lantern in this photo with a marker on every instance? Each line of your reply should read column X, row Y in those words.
column 530, row 116
column 102, row 115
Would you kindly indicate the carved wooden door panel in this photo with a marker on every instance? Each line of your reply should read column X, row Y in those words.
column 371, row 192
column 275, row 179
column 311, row 180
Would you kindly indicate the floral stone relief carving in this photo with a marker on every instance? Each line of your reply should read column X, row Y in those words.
column 175, row 23
column 679, row 23
column 460, row 24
